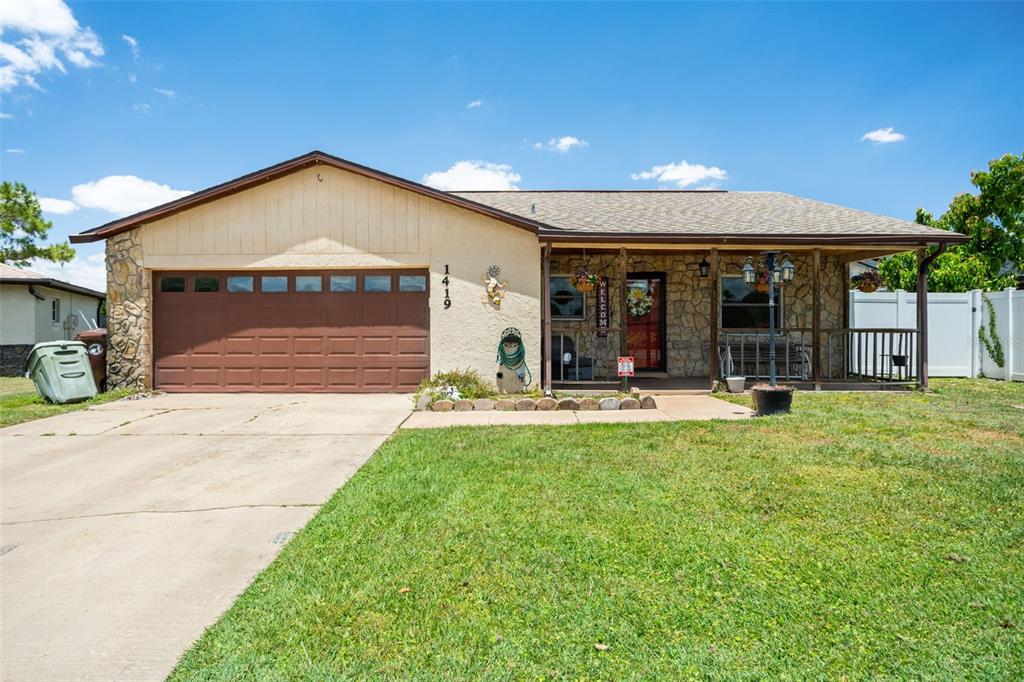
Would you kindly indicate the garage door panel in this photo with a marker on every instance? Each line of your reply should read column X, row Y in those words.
column 308, row 345
column 240, row 346
column 343, row 345
column 290, row 341
column 274, row 345
column 412, row 345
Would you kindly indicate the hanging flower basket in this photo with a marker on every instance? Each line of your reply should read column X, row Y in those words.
column 639, row 302
column 761, row 282
column 584, row 280
column 867, row 281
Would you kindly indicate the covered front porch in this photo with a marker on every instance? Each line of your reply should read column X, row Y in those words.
column 688, row 318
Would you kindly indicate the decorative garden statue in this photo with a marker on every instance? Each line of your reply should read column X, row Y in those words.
column 513, row 374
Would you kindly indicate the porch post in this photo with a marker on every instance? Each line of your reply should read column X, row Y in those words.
column 545, row 313
column 623, row 276
column 922, row 319
column 816, row 321
column 713, row 319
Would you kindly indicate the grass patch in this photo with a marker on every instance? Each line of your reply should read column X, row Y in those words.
column 19, row 401
column 865, row 535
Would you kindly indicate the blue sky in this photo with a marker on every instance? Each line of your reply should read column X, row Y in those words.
column 768, row 96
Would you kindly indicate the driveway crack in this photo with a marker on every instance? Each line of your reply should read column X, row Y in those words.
column 164, row 511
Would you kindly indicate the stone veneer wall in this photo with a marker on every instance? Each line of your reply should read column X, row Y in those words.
column 129, row 306
column 688, row 303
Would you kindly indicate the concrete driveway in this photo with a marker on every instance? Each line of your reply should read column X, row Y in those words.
column 130, row 527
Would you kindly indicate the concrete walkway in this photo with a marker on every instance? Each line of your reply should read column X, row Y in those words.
column 670, row 408
column 128, row 528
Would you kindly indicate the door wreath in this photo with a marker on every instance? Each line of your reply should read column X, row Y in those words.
column 639, row 302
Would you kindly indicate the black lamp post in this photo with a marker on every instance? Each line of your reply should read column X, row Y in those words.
column 777, row 276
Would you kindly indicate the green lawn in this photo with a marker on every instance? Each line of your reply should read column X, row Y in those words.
column 19, row 401
column 866, row 535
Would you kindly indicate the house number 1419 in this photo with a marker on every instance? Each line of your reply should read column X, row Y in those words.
column 447, row 298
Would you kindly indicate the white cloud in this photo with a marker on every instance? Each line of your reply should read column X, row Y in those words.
column 133, row 44
column 883, row 136
column 4, row 116
column 58, row 206
column 124, row 194
column 562, row 145
column 683, row 174
column 14, row 150
column 475, row 104
column 169, row 94
column 49, row 32
column 141, row 107
column 473, row 175
column 85, row 271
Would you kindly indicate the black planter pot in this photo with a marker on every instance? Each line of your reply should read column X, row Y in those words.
column 773, row 401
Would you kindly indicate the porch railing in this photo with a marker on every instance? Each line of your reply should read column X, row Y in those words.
column 853, row 355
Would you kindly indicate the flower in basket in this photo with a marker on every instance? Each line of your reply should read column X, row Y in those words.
column 584, row 280
column 761, row 280
column 867, row 281
column 639, row 302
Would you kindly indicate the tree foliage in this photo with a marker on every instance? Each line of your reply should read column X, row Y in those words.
column 23, row 229
column 993, row 219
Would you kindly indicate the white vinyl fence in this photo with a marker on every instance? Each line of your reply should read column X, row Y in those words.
column 954, row 347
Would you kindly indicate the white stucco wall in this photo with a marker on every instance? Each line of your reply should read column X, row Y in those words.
column 325, row 217
column 26, row 320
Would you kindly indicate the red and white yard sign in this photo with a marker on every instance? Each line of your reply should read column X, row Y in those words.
column 626, row 366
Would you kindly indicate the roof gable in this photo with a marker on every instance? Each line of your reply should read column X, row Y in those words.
column 285, row 168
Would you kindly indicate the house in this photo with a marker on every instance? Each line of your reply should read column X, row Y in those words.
column 36, row 308
column 319, row 274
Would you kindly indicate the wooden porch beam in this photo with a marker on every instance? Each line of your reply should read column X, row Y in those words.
column 713, row 318
column 623, row 276
column 924, row 261
column 545, row 312
column 816, row 320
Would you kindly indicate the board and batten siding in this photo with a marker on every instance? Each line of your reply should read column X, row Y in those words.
column 323, row 217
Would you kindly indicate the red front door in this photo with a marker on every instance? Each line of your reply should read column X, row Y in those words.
column 645, row 319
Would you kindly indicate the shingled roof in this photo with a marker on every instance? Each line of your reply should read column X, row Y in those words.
column 656, row 215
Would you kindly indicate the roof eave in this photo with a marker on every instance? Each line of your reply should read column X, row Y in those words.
column 284, row 168
column 54, row 284
column 911, row 241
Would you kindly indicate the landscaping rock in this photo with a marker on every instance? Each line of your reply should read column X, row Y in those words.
column 423, row 402
column 648, row 402
column 443, row 406
column 628, row 404
column 505, row 405
column 588, row 404
column 609, row 403
column 483, row 405
column 525, row 405
column 567, row 404
column 546, row 404
column 463, row 405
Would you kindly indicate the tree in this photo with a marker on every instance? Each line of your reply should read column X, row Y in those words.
column 993, row 219
column 23, row 229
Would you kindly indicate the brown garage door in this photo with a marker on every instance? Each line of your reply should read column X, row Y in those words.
column 274, row 331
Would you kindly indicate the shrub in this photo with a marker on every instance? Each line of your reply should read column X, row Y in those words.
column 466, row 382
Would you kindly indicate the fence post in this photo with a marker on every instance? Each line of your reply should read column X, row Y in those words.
column 975, row 345
column 1008, row 347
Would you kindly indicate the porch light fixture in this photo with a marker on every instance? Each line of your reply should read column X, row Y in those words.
column 788, row 271
column 704, row 266
column 748, row 272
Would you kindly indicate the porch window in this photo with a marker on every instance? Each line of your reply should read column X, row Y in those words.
column 743, row 307
column 567, row 303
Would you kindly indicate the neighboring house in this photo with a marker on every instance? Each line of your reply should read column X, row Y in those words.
column 318, row 274
column 35, row 308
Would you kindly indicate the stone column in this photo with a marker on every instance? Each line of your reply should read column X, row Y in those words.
column 129, row 350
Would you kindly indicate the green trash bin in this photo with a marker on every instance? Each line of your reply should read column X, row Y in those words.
column 61, row 371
